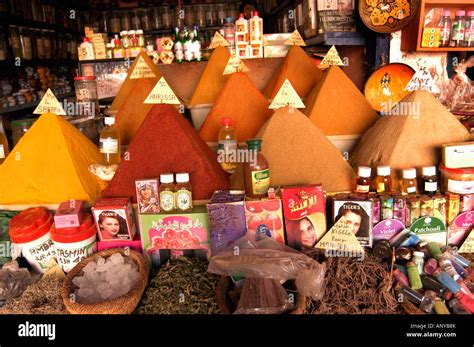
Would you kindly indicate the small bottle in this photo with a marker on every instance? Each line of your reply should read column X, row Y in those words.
column 256, row 28
column 459, row 26
column 430, row 266
column 183, row 192
column 469, row 32
column 166, row 191
column 446, row 266
column 412, row 295
column 125, row 39
column 141, row 38
column 409, row 185
column 428, row 301
column 419, row 259
column 435, row 251
column 87, row 49
column 110, row 50
column 445, row 29
column 241, row 30
column 118, row 51
column 414, row 276
column 429, row 181
column 440, row 307
column 363, row 179
column 4, row 150
column 429, row 283
column 457, row 307
column 134, row 49
column 256, row 171
column 383, row 181
column 229, row 31
column 227, row 145
column 110, row 143
column 401, row 278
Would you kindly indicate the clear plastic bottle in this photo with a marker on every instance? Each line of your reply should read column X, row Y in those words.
column 459, row 26
column 256, row 28
column 409, row 185
column 110, row 143
column 469, row 32
column 445, row 29
column 229, row 31
column 227, row 144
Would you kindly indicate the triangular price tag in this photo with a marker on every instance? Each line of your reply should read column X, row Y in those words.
column 142, row 70
column 332, row 58
column 218, row 41
column 49, row 104
column 421, row 80
column 54, row 270
column 340, row 238
column 287, row 96
column 468, row 245
column 162, row 94
column 295, row 39
column 235, row 64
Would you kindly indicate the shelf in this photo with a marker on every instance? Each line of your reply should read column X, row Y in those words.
column 25, row 106
column 337, row 39
column 8, row 19
column 9, row 63
column 446, row 49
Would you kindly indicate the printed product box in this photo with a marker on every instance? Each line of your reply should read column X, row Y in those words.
column 114, row 219
column 69, row 214
column 430, row 229
column 265, row 218
column 147, row 195
column 304, row 208
column 358, row 214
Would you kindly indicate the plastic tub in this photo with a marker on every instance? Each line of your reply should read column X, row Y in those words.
column 199, row 114
column 30, row 233
column 74, row 244
column 458, row 181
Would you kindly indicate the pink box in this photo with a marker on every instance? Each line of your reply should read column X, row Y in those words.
column 69, row 214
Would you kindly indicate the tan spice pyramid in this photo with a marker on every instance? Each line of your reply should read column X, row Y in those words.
column 166, row 142
column 212, row 79
column 127, row 86
column 299, row 153
column 412, row 138
column 337, row 107
column 49, row 165
column 242, row 101
column 133, row 111
column 301, row 71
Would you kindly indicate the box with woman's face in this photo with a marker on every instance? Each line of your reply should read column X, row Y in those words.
column 304, row 209
column 358, row 215
column 114, row 219
column 147, row 195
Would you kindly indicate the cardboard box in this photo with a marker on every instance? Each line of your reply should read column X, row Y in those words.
column 100, row 51
column 304, row 208
column 177, row 234
column 89, row 32
column 100, row 37
column 148, row 198
column 458, row 155
column 358, row 214
column 69, row 214
column 226, row 212
column 264, row 218
column 430, row 229
column 114, row 219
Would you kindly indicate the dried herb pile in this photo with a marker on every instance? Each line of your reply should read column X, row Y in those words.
column 41, row 297
column 355, row 287
column 181, row 286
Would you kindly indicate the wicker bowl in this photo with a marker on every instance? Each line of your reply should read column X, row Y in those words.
column 124, row 304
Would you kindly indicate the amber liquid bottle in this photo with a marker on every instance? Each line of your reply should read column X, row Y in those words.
column 409, row 185
column 256, row 173
column 383, row 181
column 167, row 194
column 363, row 180
column 429, row 181
column 110, row 143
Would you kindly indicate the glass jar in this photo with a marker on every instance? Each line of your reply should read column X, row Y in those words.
column 3, row 48
column 189, row 15
column 15, row 42
column 87, row 126
column 135, row 20
column 48, row 52
column 125, row 20
column 167, row 16
column 26, row 44
column 145, row 18
column 104, row 25
column 221, row 14
column 39, row 45
column 115, row 25
column 201, row 16
column 156, row 19
column 86, row 95
column 233, row 11
column 210, row 16
column 19, row 128
column 74, row 46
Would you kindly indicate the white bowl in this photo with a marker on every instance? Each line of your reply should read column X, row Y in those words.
column 199, row 114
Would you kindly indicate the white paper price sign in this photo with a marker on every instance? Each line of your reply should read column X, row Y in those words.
column 162, row 94
column 49, row 104
column 287, row 96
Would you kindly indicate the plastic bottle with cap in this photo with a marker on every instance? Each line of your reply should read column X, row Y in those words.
column 419, row 259
column 457, row 307
column 86, row 49
column 110, row 143
column 459, row 27
column 256, row 171
column 227, row 140
column 429, row 181
column 183, row 192
column 414, row 276
column 409, row 186
column 383, row 181
column 229, row 31
column 429, row 283
column 363, row 180
column 166, row 191
column 256, row 28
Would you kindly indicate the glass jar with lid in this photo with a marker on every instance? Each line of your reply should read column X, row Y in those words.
column 39, row 45
column 189, row 15
column 115, row 25
column 210, row 16
column 48, row 51
column 145, row 19
column 125, row 20
column 167, row 16
column 15, row 42
column 104, row 24
column 135, row 20
column 86, row 95
column 201, row 16
column 26, row 44
column 19, row 128
column 221, row 14
column 156, row 19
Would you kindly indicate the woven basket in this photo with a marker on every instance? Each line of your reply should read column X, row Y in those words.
column 124, row 304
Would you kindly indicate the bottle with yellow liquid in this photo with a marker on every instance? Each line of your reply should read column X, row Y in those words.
column 227, row 146
column 110, row 143
column 4, row 150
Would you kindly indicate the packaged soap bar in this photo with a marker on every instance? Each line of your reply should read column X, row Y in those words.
column 304, row 208
column 114, row 219
column 358, row 214
column 69, row 214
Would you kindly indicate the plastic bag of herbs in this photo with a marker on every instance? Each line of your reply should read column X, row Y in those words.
column 181, row 286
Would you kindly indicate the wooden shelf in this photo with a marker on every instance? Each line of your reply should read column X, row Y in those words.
column 6, row 110
column 412, row 34
column 8, row 19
